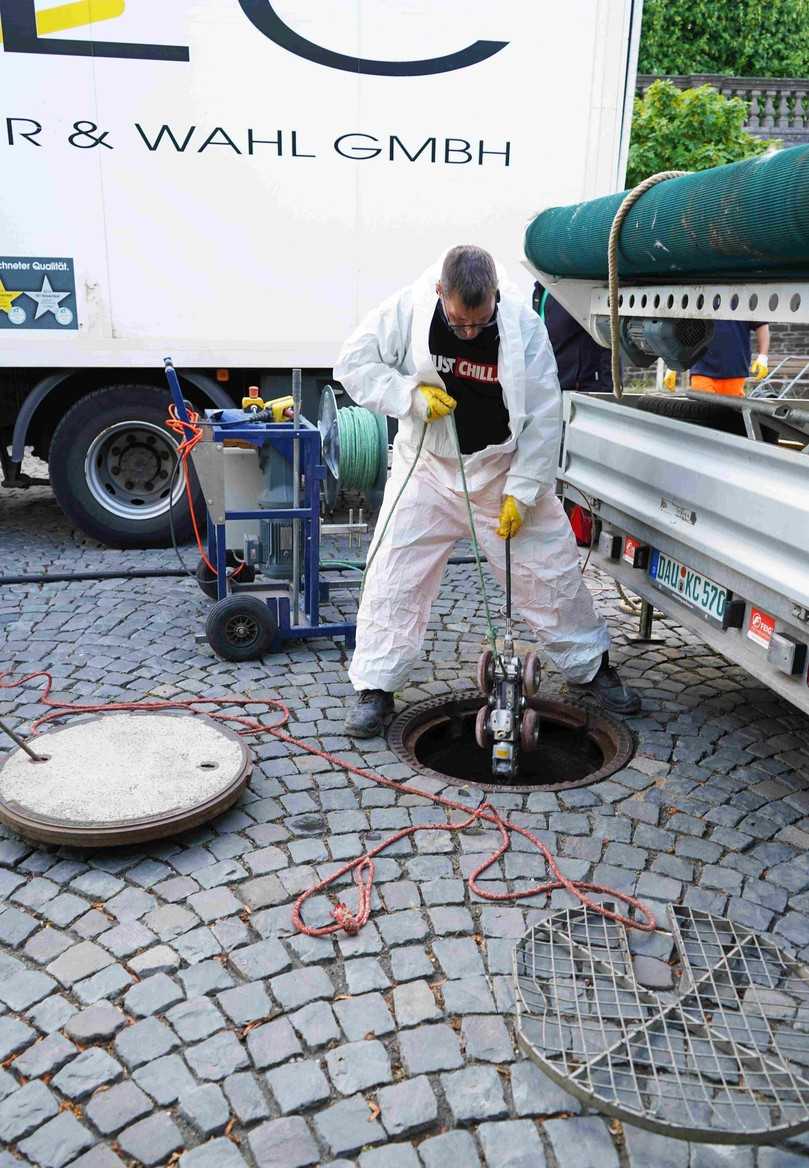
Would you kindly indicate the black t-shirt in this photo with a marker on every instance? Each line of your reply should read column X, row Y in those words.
column 469, row 371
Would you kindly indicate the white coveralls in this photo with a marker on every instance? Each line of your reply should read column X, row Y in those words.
column 381, row 365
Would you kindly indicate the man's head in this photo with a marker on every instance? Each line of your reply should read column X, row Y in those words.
column 468, row 290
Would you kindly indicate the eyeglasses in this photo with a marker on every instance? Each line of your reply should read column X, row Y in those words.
column 463, row 330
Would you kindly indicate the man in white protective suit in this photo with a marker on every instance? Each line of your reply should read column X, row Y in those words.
column 460, row 341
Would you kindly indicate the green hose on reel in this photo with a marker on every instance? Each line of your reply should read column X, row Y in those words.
column 355, row 450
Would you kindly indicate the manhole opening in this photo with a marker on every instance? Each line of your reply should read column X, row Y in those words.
column 578, row 745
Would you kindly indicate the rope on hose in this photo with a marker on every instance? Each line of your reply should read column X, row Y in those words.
column 612, row 267
column 360, row 448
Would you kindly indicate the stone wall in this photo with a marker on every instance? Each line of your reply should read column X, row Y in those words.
column 779, row 106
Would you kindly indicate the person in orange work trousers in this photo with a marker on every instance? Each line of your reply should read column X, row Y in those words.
column 726, row 363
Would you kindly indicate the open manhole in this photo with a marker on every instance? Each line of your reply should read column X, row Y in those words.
column 578, row 745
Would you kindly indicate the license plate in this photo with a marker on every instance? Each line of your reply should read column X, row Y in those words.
column 694, row 589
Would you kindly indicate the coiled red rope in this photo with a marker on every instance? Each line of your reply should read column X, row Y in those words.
column 362, row 867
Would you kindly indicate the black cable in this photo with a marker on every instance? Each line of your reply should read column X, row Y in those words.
column 65, row 577
column 170, row 573
column 183, row 564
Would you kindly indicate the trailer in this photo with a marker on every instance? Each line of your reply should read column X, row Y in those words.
column 701, row 501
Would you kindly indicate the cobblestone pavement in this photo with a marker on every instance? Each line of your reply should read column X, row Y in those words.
column 156, row 1003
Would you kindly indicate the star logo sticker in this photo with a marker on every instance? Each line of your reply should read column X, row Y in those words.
column 7, row 298
column 46, row 299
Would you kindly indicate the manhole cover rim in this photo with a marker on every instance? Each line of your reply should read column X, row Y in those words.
column 593, row 719
column 118, row 833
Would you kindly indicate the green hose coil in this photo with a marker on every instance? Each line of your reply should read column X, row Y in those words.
column 359, row 448
column 749, row 217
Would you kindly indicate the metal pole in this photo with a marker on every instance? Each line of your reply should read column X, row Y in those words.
column 508, row 579
column 296, row 495
column 24, row 745
column 508, row 637
column 646, row 619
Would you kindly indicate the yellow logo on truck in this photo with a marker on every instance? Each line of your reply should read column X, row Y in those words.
column 76, row 14
column 7, row 297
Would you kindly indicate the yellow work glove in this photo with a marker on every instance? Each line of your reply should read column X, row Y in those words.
column 760, row 367
column 280, row 406
column 670, row 379
column 432, row 403
column 511, row 517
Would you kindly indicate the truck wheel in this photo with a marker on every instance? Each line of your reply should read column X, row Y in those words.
column 111, row 465
column 240, row 628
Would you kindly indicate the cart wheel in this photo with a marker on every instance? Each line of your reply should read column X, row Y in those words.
column 485, row 676
column 482, row 736
column 529, row 731
column 240, row 628
column 206, row 577
column 531, row 675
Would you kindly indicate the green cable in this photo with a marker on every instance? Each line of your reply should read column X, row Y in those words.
column 378, row 541
column 359, row 448
column 475, row 546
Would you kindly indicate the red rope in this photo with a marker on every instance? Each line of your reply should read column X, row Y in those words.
column 362, row 866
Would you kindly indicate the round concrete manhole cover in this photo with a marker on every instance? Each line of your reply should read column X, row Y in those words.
column 578, row 745
column 123, row 778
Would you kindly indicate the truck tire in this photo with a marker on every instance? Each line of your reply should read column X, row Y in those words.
column 111, row 462
column 713, row 417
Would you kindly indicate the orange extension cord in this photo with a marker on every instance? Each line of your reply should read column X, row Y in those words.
column 362, row 867
column 190, row 433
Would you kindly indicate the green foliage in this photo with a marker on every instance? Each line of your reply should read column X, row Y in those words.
column 689, row 129
column 741, row 38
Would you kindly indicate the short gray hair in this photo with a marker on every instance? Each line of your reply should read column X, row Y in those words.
column 470, row 272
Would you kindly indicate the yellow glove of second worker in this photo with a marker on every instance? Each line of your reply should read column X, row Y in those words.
column 670, row 379
column 279, row 407
column 433, row 403
column 511, row 517
column 760, row 367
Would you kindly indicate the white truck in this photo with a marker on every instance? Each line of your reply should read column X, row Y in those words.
column 234, row 183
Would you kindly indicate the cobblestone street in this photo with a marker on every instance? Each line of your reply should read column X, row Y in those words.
column 157, row 1004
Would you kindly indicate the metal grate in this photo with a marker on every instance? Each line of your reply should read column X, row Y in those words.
column 723, row 1057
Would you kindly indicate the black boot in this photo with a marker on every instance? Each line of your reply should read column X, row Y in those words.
column 367, row 718
column 609, row 691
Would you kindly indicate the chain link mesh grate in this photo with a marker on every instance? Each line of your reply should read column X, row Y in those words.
column 723, row 1057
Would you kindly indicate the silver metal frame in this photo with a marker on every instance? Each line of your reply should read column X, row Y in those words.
column 778, row 301
column 720, row 1060
column 737, row 511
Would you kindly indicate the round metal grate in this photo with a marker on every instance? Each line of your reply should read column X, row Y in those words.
column 723, row 1058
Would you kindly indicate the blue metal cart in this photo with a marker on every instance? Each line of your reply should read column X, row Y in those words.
column 253, row 616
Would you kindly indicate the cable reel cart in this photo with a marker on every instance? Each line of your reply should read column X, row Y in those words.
column 262, row 482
